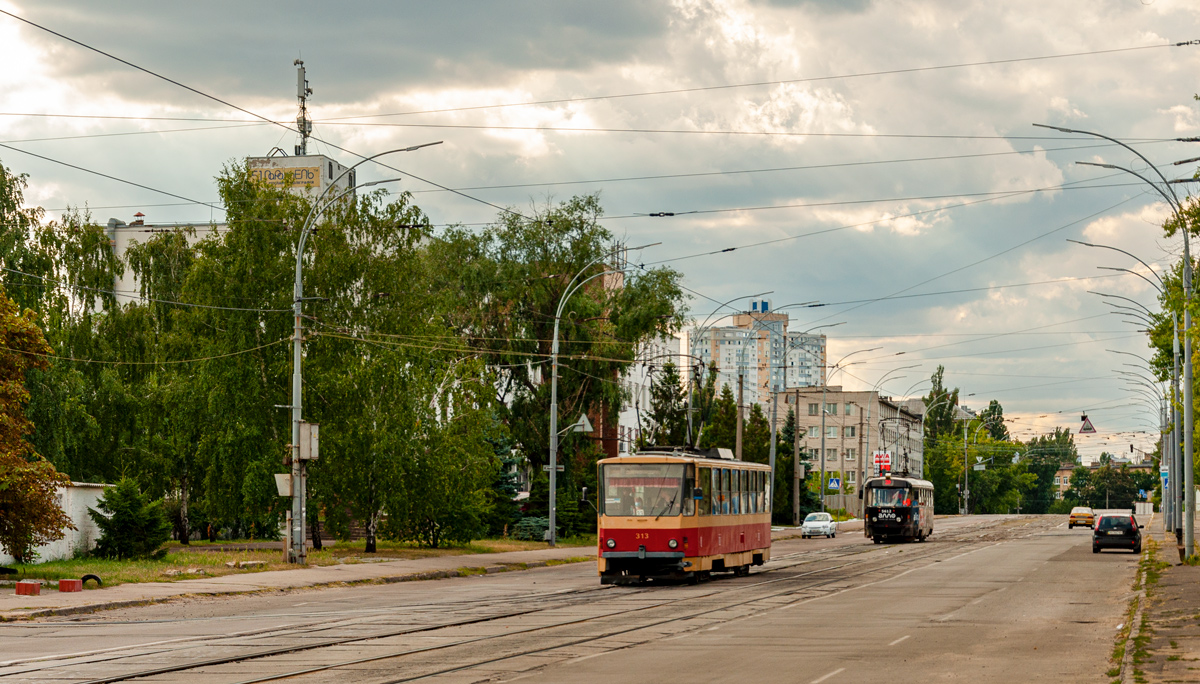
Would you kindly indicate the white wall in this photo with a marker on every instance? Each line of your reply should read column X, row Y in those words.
column 75, row 501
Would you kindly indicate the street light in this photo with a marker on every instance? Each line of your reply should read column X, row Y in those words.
column 295, row 536
column 1168, row 194
column 572, row 288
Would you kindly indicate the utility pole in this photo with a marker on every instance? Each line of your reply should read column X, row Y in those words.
column 737, row 448
column 824, row 386
column 966, row 474
column 796, row 479
column 1176, row 454
column 303, row 124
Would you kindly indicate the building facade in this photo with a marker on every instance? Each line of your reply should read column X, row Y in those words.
column 651, row 357
column 759, row 347
column 856, row 426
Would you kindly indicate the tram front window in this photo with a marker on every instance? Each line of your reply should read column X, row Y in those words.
column 644, row 489
column 888, row 498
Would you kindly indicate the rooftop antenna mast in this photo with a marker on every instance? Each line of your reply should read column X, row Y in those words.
column 303, row 123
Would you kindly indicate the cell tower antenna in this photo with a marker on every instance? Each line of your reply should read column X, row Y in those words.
column 303, row 123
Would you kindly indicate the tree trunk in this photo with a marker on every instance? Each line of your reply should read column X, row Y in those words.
column 184, row 531
column 371, row 524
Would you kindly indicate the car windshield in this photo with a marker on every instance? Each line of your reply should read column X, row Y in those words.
column 1113, row 522
column 637, row 489
column 1081, row 511
column 888, row 497
column 817, row 517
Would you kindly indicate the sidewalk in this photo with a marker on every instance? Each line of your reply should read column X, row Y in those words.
column 52, row 602
column 1166, row 640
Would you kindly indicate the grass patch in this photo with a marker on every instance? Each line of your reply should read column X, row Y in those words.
column 565, row 561
column 210, row 558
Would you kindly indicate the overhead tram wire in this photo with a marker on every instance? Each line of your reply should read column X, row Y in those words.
column 164, row 362
column 983, row 260
column 118, row 293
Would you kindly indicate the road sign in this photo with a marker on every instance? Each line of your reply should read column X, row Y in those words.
column 310, row 440
column 547, row 468
column 979, row 459
column 835, row 483
column 979, row 466
column 1087, row 428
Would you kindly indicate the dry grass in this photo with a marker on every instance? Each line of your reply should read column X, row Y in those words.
column 212, row 563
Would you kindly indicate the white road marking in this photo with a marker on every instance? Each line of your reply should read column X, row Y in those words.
column 818, row 680
column 900, row 639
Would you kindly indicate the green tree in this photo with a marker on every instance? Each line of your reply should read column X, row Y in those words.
column 993, row 420
column 131, row 525
column 941, row 407
column 666, row 422
column 29, row 511
column 722, row 430
column 756, row 436
column 1045, row 454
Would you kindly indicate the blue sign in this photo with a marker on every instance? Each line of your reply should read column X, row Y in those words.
column 835, row 483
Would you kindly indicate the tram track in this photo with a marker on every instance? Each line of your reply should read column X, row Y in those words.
column 828, row 558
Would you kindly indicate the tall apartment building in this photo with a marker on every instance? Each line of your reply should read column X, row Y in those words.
column 770, row 357
column 857, row 425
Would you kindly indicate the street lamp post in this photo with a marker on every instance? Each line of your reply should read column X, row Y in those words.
column 1168, row 194
column 572, row 288
column 1173, row 513
column 706, row 325
column 295, row 536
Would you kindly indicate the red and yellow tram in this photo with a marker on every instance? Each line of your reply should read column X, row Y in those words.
column 681, row 514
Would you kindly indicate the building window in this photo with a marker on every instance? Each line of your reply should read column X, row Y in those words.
column 849, row 408
column 850, row 454
column 813, row 409
column 1057, row 480
column 831, row 431
column 851, row 477
column 831, row 409
column 814, row 454
column 831, row 454
column 848, row 431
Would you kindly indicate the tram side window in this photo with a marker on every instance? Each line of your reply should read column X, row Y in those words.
column 745, row 491
column 758, row 492
column 753, row 489
column 689, row 483
column 705, row 481
column 724, row 491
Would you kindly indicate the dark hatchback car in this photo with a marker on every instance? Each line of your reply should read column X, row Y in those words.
column 1116, row 532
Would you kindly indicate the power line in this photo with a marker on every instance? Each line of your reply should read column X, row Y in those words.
column 146, row 363
column 811, row 79
column 105, row 175
column 250, row 113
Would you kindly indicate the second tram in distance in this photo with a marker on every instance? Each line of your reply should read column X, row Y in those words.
column 681, row 514
column 897, row 508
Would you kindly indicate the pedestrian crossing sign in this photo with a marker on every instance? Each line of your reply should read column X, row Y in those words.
column 1087, row 428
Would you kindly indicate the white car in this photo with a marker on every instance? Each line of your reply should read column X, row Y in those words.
column 818, row 524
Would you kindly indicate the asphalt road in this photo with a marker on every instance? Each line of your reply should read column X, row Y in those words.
column 988, row 599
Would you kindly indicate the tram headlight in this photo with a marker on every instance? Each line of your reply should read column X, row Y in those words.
column 673, row 544
column 611, row 543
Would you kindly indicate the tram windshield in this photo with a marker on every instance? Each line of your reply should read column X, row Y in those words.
column 889, row 498
column 650, row 489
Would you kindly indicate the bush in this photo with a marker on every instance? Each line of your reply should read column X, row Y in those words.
column 531, row 528
column 131, row 526
column 1062, row 506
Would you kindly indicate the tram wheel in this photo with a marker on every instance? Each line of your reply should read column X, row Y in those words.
column 741, row 571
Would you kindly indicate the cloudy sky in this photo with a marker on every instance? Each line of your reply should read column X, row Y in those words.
column 919, row 204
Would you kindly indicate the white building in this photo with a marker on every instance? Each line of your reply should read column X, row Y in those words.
column 770, row 358
column 75, row 501
column 651, row 357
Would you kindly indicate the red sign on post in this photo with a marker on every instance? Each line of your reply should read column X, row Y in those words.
column 883, row 462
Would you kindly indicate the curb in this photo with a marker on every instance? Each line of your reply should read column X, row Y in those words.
column 16, row 615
